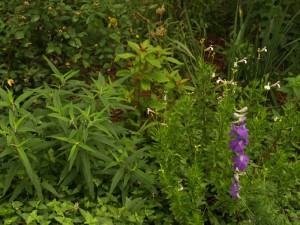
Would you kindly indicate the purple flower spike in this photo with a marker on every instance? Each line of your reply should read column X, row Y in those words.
column 239, row 140
column 234, row 189
column 240, row 162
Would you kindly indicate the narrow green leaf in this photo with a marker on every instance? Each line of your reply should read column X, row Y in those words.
column 146, row 85
column 18, row 189
column 72, row 156
column 177, row 62
column 10, row 176
column 22, row 97
column 50, row 188
column 56, row 100
column 87, row 172
column 31, row 173
column 86, row 147
column 182, row 47
column 145, row 179
column 116, row 179
column 11, row 119
column 53, row 68
column 57, row 116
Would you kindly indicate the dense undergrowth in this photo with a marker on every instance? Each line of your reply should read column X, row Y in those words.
column 174, row 112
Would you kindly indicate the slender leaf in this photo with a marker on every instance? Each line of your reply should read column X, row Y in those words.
column 116, row 179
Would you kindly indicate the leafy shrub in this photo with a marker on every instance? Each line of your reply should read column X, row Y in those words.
column 195, row 163
column 82, row 35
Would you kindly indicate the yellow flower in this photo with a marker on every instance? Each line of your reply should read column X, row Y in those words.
column 68, row 64
column 113, row 22
column 10, row 82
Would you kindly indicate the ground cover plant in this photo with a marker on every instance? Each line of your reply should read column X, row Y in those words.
column 149, row 112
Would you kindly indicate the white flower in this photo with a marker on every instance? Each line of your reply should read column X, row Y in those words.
column 264, row 49
column 210, row 48
column 244, row 60
column 213, row 75
column 149, row 111
column 267, row 87
column 235, row 64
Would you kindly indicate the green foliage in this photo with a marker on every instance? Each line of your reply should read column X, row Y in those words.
column 273, row 45
column 81, row 35
column 67, row 130
column 147, row 68
column 136, row 132
column 195, row 163
column 68, row 213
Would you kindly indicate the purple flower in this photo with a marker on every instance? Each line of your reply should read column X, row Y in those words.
column 239, row 130
column 238, row 144
column 234, row 189
column 240, row 162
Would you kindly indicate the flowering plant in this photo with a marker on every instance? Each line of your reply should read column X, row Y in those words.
column 237, row 144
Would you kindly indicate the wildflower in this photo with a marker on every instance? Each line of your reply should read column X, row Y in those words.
column 10, row 82
column 237, row 144
column 235, row 64
column 240, row 131
column 220, row 80
column 149, row 111
column 213, row 75
column 160, row 11
column 264, row 49
column 240, row 162
column 112, row 22
column 268, row 86
column 244, row 60
column 234, row 189
column 161, row 31
column 210, row 48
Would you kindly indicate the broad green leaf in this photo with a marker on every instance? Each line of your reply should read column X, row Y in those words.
column 124, row 56
column 115, row 37
column 35, row 18
column 19, row 34
column 153, row 61
column 146, row 85
column 134, row 46
column 116, row 179
column 4, row 96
